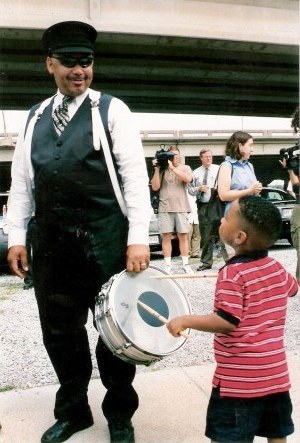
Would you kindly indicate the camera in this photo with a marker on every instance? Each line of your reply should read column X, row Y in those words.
column 292, row 159
column 162, row 156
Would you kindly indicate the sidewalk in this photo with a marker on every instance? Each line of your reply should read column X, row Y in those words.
column 172, row 408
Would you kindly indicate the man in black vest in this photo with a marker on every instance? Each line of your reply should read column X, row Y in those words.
column 80, row 237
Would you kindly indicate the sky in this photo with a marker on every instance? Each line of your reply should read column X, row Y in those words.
column 147, row 122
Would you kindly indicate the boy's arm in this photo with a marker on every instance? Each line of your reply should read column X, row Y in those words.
column 206, row 323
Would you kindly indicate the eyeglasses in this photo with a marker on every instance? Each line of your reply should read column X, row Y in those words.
column 71, row 62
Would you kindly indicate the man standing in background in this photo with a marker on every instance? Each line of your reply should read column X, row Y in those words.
column 203, row 180
column 194, row 234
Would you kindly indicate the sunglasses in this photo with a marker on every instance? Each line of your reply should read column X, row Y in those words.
column 71, row 62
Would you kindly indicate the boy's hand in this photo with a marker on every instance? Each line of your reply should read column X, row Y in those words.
column 176, row 326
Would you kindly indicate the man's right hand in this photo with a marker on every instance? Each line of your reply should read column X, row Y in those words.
column 17, row 260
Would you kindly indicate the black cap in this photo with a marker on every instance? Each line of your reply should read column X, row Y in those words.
column 71, row 36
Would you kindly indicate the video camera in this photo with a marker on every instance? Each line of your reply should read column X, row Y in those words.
column 162, row 156
column 292, row 159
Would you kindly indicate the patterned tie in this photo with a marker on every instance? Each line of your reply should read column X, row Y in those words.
column 61, row 115
column 205, row 177
column 204, row 182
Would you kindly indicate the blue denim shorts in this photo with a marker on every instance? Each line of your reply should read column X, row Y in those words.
column 238, row 420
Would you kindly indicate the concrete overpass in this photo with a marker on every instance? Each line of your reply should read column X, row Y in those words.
column 267, row 146
column 230, row 57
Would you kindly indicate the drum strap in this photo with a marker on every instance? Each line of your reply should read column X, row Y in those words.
column 101, row 137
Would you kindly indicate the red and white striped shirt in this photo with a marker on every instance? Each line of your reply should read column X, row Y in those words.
column 251, row 361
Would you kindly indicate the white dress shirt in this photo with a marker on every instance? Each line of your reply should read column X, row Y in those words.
column 198, row 176
column 130, row 160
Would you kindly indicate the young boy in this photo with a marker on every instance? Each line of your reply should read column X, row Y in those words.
column 250, row 394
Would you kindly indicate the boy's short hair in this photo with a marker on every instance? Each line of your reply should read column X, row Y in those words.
column 263, row 217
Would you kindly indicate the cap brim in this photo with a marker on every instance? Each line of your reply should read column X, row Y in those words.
column 69, row 50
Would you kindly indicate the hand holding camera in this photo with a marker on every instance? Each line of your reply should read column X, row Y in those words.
column 289, row 158
column 163, row 159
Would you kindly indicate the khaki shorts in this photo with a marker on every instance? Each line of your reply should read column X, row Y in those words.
column 173, row 222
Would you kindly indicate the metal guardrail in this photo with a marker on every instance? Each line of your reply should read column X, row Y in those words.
column 212, row 134
column 8, row 140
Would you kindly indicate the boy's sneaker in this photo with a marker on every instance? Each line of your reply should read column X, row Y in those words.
column 187, row 269
column 168, row 269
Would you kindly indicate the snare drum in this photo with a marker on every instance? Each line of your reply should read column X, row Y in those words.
column 126, row 328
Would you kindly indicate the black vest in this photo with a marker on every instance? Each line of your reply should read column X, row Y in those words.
column 72, row 184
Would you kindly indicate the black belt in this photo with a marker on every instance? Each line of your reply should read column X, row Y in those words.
column 202, row 203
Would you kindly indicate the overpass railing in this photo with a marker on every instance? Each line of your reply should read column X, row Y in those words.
column 212, row 134
column 8, row 140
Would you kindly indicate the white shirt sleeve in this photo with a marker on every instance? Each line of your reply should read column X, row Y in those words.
column 21, row 204
column 129, row 155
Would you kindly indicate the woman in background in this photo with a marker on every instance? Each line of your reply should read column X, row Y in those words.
column 236, row 175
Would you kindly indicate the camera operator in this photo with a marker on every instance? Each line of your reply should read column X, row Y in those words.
column 290, row 162
column 171, row 179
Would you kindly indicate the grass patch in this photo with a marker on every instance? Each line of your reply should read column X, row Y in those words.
column 7, row 388
column 9, row 289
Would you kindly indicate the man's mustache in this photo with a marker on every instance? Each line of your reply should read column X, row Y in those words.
column 77, row 78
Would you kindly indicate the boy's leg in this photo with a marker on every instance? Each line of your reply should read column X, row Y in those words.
column 270, row 440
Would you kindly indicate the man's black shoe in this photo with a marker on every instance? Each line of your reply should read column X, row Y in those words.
column 27, row 285
column 203, row 267
column 62, row 430
column 121, row 432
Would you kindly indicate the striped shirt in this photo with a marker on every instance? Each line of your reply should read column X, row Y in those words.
column 252, row 294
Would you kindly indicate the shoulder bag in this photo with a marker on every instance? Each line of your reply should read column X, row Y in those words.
column 216, row 207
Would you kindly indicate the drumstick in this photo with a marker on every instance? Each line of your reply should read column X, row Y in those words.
column 170, row 276
column 157, row 315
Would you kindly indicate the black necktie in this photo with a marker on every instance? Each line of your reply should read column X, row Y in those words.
column 61, row 116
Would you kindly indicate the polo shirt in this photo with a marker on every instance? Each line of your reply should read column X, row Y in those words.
column 252, row 293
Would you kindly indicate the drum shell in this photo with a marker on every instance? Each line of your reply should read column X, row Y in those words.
column 115, row 340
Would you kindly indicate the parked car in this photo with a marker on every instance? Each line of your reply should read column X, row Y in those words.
column 285, row 203
column 3, row 228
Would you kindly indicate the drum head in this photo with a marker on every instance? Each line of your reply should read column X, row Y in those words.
column 143, row 330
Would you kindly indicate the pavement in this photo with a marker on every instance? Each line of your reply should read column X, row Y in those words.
column 172, row 408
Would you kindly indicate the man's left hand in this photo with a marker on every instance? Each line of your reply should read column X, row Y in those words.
column 138, row 258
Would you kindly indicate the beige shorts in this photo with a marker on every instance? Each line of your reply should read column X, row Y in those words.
column 173, row 222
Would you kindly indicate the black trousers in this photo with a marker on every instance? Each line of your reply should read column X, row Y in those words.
column 209, row 237
column 207, row 240
column 69, row 267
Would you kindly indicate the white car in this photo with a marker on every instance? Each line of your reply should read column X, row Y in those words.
column 285, row 202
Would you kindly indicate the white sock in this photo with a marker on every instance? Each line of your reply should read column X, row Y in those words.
column 185, row 260
column 167, row 261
